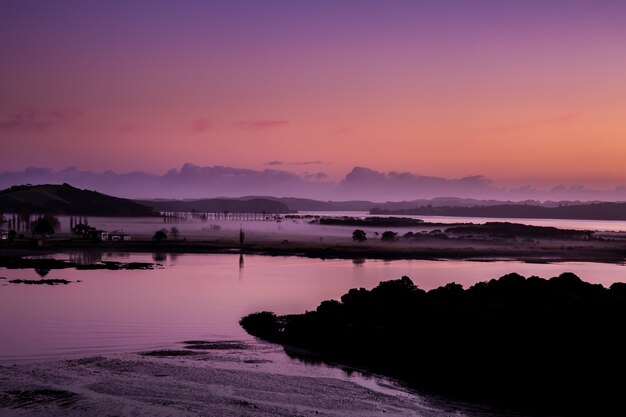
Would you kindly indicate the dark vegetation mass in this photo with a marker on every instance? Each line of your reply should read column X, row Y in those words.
column 46, row 264
column 217, row 205
column 516, row 230
column 589, row 211
column 552, row 347
column 40, row 281
column 65, row 199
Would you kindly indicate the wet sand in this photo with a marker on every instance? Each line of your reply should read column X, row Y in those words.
column 212, row 382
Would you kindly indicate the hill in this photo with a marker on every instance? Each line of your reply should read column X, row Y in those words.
column 68, row 200
column 218, row 205
column 307, row 204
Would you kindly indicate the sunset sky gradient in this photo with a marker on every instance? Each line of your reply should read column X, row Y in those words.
column 522, row 92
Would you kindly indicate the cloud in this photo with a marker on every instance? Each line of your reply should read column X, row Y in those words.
column 262, row 124
column 27, row 120
column 67, row 115
column 406, row 186
column 30, row 119
column 316, row 176
column 201, row 125
column 275, row 163
column 361, row 183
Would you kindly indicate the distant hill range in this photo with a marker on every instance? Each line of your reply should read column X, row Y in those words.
column 218, row 205
column 444, row 206
column 582, row 211
column 305, row 204
column 68, row 200
column 65, row 199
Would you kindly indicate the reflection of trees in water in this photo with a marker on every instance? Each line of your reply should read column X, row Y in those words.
column 308, row 358
column 109, row 255
column 240, row 266
column 358, row 262
column 173, row 257
column 42, row 272
column 86, row 257
column 159, row 257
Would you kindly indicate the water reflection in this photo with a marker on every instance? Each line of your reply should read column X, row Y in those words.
column 240, row 266
column 86, row 257
column 358, row 262
column 42, row 272
column 159, row 257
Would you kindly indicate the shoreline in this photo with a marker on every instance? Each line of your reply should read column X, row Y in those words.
column 537, row 251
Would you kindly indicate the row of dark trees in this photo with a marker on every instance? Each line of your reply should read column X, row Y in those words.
column 162, row 234
column 360, row 236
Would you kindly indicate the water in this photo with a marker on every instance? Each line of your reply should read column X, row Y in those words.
column 576, row 224
column 203, row 297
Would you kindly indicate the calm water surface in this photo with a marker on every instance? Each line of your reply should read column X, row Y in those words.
column 203, row 296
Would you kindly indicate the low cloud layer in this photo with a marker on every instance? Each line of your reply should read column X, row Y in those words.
column 192, row 181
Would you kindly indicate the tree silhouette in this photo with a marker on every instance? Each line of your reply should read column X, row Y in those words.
column 359, row 235
column 174, row 232
column 389, row 236
column 45, row 226
column 42, row 272
column 159, row 236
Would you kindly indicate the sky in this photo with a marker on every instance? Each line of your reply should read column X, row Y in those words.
column 524, row 93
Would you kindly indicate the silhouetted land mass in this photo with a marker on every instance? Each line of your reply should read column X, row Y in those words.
column 65, row 199
column 40, row 281
column 552, row 347
column 17, row 262
column 516, row 230
column 218, row 205
column 595, row 211
column 489, row 229
column 306, row 204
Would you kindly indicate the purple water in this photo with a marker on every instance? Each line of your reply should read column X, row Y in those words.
column 203, row 296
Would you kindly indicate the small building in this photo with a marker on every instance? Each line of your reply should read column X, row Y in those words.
column 118, row 235
column 4, row 235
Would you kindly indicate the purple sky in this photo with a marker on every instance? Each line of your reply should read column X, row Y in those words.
column 522, row 92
